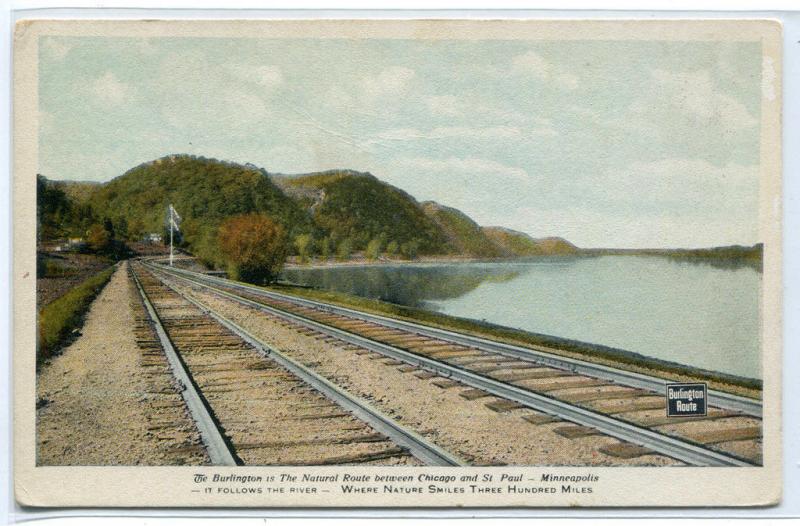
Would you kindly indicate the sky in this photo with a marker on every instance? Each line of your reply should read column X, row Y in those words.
column 605, row 143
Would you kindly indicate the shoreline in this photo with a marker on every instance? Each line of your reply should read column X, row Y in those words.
column 426, row 260
column 677, row 256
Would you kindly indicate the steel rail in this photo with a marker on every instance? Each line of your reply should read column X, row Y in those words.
column 716, row 398
column 220, row 452
column 682, row 450
column 421, row 448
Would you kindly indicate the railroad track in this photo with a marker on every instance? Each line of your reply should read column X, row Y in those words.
column 627, row 407
column 254, row 405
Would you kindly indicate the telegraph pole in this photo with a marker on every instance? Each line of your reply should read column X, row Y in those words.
column 174, row 221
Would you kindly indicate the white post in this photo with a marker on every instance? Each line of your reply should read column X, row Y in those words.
column 170, row 235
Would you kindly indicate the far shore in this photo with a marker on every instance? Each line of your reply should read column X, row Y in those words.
column 361, row 261
column 750, row 257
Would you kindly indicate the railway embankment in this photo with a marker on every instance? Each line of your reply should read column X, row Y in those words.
column 106, row 399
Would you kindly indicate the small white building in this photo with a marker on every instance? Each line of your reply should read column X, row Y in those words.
column 74, row 244
column 153, row 238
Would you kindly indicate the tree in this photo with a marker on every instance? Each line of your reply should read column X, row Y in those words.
column 254, row 247
column 303, row 244
column 410, row 249
column 98, row 238
column 344, row 249
column 53, row 208
column 374, row 248
column 136, row 229
column 325, row 248
column 392, row 248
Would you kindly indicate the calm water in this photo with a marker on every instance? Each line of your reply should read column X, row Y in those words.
column 694, row 314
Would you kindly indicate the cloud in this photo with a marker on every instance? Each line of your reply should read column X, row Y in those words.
column 396, row 135
column 266, row 76
column 110, row 91
column 382, row 91
column 532, row 63
column 448, row 132
column 683, row 187
column 693, row 96
column 465, row 167
column 445, row 105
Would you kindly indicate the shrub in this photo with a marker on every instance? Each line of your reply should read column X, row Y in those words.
column 58, row 319
column 254, row 247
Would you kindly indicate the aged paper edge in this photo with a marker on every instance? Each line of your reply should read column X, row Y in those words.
column 170, row 486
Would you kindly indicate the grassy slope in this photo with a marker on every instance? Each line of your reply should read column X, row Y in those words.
column 58, row 319
column 559, row 346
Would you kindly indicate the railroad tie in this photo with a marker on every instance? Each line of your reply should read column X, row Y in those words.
column 474, row 394
column 625, row 450
column 539, row 419
column 638, row 404
column 601, row 395
column 445, row 383
column 670, row 420
column 576, row 431
column 726, row 435
column 503, row 406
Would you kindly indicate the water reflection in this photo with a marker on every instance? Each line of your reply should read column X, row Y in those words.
column 412, row 285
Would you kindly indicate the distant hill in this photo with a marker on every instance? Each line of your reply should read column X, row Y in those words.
column 78, row 191
column 513, row 243
column 335, row 208
column 723, row 256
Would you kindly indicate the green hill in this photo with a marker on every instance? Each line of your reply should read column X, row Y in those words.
column 358, row 207
column 204, row 191
column 337, row 211
column 464, row 236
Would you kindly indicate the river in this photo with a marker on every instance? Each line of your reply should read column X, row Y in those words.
column 691, row 313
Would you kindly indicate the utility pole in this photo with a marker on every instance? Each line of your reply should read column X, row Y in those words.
column 174, row 221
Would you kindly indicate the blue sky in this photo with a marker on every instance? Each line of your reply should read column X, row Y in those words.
column 607, row 143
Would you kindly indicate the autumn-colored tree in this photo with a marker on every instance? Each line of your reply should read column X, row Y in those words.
column 254, row 247
column 98, row 238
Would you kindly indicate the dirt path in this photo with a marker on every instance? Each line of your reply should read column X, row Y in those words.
column 101, row 401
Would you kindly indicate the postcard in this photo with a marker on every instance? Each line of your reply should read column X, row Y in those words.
column 397, row 263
